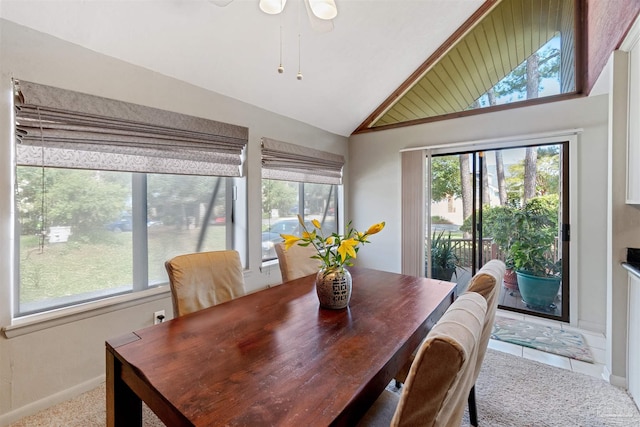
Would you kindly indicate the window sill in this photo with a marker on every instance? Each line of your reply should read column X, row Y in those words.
column 37, row 322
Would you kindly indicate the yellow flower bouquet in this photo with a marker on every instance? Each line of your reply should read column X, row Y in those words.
column 334, row 251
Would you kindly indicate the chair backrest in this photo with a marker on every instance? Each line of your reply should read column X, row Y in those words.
column 441, row 375
column 200, row 280
column 487, row 282
column 296, row 261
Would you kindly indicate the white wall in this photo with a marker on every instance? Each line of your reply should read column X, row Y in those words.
column 49, row 365
column 374, row 184
column 602, row 225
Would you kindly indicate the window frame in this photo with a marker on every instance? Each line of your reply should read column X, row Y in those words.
column 140, row 253
column 337, row 202
column 147, row 138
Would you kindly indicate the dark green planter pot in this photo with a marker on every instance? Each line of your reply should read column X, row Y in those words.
column 538, row 291
column 442, row 273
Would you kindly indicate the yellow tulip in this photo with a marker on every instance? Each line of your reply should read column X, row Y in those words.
column 375, row 228
column 289, row 240
column 316, row 223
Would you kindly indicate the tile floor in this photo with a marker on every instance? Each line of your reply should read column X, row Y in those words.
column 595, row 341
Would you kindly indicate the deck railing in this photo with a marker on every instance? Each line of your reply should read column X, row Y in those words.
column 463, row 249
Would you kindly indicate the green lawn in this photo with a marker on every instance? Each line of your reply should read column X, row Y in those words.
column 101, row 261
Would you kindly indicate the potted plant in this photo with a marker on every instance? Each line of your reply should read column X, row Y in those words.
column 539, row 276
column 444, row 259
column 498, row 223
column 335, row 252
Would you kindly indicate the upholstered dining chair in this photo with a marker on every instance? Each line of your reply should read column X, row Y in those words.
column 487, row 282
column 296, row 261
column 442, row 372
column 200, row 280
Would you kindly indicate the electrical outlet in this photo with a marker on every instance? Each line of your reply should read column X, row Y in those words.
column 158, row 317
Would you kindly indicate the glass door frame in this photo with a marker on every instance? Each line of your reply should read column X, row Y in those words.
column 566, row 151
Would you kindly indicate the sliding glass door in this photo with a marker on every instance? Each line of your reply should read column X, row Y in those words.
column 511, row 204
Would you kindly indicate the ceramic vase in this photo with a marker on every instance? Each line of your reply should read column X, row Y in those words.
column 333, row 286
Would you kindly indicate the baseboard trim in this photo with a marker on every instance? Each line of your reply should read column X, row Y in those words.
column 39, row 405
column 613, row 379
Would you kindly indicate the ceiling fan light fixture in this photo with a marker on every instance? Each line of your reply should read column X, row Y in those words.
column 324, row 9
column 272, row 7
column 221, row 3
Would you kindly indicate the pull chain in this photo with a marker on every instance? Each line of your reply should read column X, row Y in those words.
column 299, row 75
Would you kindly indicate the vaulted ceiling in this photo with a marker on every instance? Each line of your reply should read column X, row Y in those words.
column 507, row 35
column 374, row 69
column 234, row 50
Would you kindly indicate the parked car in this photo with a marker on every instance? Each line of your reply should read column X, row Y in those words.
column 122, row 224
column 126, row 224
column 271, row 236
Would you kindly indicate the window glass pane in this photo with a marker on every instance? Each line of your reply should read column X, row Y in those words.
column 536, row 77
column 184, row 214
column 320, row 204
column 74, row 234
column 78, row 231
column 281, row 203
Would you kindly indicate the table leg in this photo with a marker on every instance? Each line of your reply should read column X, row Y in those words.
column 124, row 407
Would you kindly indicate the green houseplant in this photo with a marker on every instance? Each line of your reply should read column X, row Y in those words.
column 498, row 224
column 536, row 229
column 444, row 259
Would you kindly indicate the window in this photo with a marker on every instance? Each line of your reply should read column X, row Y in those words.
column 87, row 234
column 282, row 201
column 103, row 201
column 297, row 180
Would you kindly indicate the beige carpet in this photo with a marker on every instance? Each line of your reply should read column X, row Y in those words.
column 511, row 392
column 86, row 410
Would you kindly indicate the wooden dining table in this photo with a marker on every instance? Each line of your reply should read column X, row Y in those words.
column 274, row 357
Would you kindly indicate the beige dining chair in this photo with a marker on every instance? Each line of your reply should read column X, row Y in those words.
column 296, row 261
column 200, row 280
column 442, row 372
column 487, row 282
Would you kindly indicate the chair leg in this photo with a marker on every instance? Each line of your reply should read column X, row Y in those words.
column 473, row 413
column 398, row 384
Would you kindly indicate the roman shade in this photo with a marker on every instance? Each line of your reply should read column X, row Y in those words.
column 291, row 162
column 62, row 128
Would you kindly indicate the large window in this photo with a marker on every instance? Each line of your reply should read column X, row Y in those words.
column 297, row 180
column 107, row 191
column 87, row 234
column 282, row 201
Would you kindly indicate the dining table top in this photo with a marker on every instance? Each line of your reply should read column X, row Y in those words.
column 274, row 357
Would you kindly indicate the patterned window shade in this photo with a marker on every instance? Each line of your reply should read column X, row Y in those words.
column 290, row 162
column 61, row 128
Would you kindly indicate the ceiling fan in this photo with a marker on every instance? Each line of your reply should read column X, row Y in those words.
column 320, row 12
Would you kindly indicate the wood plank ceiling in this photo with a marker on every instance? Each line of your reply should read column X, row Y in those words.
column 503, row 38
